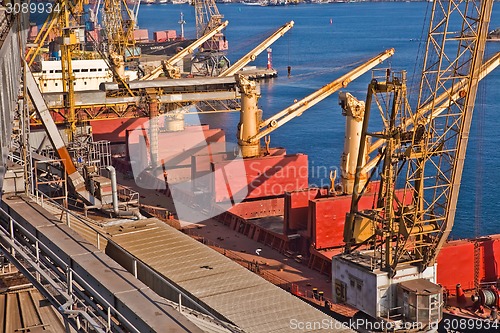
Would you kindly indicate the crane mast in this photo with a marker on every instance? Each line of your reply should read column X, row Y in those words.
column 420, row 154
column 252, row 128
column 119, row 24
column 446, row 137
column 429, row 157
column 207, row 16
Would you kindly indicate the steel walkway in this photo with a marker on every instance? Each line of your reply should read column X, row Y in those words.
column 87, row 283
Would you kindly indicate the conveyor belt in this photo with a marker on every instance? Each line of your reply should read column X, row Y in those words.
column 144, row 309
column 231, row 291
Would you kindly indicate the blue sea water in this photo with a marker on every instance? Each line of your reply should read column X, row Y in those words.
column 328, row 40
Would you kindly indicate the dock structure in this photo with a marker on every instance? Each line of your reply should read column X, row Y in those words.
column 11, row 33
column 108, row 103
column 88, row 275
column 259, row 73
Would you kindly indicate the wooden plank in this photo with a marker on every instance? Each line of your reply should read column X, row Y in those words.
column 12, row 315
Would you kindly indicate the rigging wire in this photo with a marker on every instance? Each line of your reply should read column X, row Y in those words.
column 249, row 42
column 479, row 170
column 322, row 71
column 414, row 84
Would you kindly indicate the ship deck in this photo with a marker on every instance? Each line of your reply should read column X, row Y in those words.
column 23, row 310
column 282, row 269
column 207, row 273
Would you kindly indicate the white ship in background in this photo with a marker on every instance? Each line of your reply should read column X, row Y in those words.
column 89, row 74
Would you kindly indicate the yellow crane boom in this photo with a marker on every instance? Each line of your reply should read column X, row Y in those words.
column 296, row 109
column 173, row 71
column 443, row 101
column 250, row 128
column 250, row 56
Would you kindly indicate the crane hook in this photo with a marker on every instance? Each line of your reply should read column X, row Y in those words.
column 333, row 176
column 267, row 140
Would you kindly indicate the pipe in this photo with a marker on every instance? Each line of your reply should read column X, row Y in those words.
column 66, row 308
column 114, row 193
column 114, row 187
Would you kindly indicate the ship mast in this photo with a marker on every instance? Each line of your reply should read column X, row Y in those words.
column 181, row 23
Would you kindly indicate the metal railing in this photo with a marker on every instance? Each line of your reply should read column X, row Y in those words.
column 137, row 264
column 255, row 267
column 55, row 279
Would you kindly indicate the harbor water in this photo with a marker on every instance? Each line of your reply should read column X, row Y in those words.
column 327, row 41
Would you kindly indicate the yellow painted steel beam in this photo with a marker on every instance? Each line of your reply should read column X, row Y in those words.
column 298, row 108
column 250, row 56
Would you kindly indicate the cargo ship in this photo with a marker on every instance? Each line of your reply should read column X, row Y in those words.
column 304, row 223
column 164, row 48
column 307, row 225
column 165, row 42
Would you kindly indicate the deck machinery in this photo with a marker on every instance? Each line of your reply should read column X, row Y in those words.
column 388, row 269
column 211, row 60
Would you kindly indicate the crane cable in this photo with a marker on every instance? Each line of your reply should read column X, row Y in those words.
column 414, row 85
column 479, row 177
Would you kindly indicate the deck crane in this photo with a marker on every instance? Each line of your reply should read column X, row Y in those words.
column 168, row 67
column 207, row 16
column 388, row 268
column 441, row 101
column 119, row 23
column 251, row 128
column 252, row 55
column 211, row 58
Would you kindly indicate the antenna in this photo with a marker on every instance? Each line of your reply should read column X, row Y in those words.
column 182, row 22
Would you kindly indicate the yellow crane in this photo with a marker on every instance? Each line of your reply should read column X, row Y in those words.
column 207, row 16
column 119, row 23
column 388, row 269
column 251, row 128
column 211, row 59
column 49, row 24
column 65, row 20
column 440, row 104
column 252, row 55
column 168, row 66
